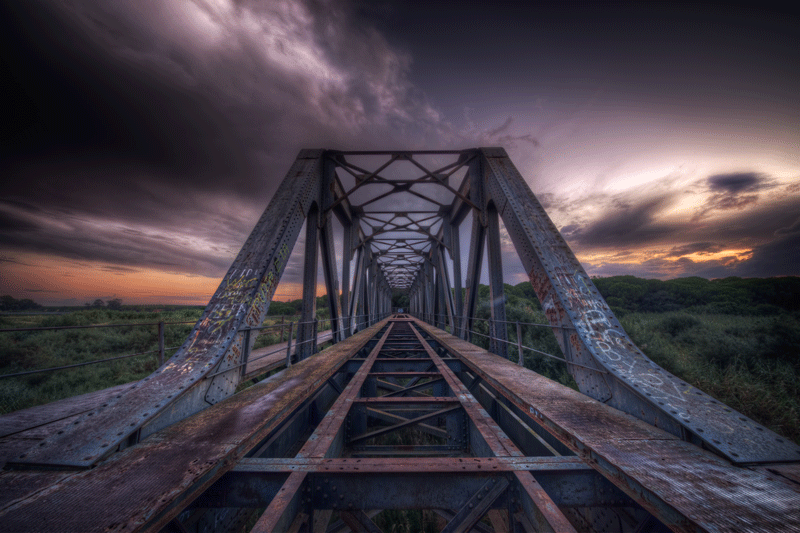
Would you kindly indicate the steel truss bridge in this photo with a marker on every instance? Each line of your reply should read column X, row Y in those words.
column 401, row 411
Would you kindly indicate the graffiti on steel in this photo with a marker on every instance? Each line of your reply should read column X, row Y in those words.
column 178, row 389
column 639, row 386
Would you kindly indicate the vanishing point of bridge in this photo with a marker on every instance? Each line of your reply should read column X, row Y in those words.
column 401, row 411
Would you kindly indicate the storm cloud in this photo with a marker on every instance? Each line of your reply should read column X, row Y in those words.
column 134, row 120
column 624, row 225
column 152, row 133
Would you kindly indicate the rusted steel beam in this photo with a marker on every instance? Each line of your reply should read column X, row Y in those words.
column 405, row 423
column 542, row 508
column 497, row 298
column 284, row 507
column 434, row 465
column 686, row 488
column 472, row 511
column 145, row 486
column 633, row 383
column 178, row 388
column 321, row 442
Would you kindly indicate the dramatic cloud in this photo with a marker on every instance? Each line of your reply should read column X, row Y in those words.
column 694, row 248
column 150, row 134
column 734, row 191
column 153, row 133
column 777, row 257
column 624, row 225
column 736, row 183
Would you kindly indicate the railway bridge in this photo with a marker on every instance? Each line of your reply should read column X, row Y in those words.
column 401, row 411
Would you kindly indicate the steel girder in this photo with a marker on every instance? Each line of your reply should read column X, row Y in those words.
column 613, row 369
column 603, row 360
column 206, row 368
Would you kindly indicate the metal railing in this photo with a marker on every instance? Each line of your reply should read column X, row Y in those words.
column 161, row 351
column 431, row 319
column 350, row 323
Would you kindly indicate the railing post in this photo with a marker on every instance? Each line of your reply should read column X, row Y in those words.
column 245, row 351
column 289, row 347
column 314, row 344
column 565, row 341
column 492, row 343
column 521, row 360
column 161, row 343
column 282, row 319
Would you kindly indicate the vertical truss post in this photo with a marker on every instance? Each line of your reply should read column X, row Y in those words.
column 329, row 267
column 365, row 285
column 309, row 312
column 347, row 256
column 476, row 245
column 429, row 294
column 372, row 284
column 438, row 296
column 453, row 239
column 446, row 288
column 497, row 294
column 358, row 284
column 289, row 346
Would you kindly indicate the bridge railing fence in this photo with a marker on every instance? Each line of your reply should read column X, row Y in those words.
column 161, row 351
column 514, row 338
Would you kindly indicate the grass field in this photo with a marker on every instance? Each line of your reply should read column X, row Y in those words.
column 750, row 362
column 34, row 350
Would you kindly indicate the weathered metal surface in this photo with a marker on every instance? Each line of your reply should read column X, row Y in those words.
column 283, row 509
column 34, row 417
column 146, row 486
column 432, row 465
column 497, row 297
column 545, row 511
column 17, row 485
column 474, row 509
column 688, row 489
column 178, row 389
column 634, row 384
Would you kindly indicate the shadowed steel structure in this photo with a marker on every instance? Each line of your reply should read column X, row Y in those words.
column 402, row 411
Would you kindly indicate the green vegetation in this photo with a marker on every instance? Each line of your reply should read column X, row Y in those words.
column 34, row 350
column 737, row 339
column 9, row 303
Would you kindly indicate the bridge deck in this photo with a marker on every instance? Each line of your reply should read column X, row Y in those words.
column 146, row 486
column 690, row 488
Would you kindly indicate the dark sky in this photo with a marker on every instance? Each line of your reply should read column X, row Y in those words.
column 142, row 139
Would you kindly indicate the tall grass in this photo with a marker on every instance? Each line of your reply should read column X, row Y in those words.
column 751, row 363
column 34, row 350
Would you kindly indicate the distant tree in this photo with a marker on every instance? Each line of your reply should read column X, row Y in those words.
column 98, row 303
column 400, row 299
column 115, row 304
column 9, row 303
